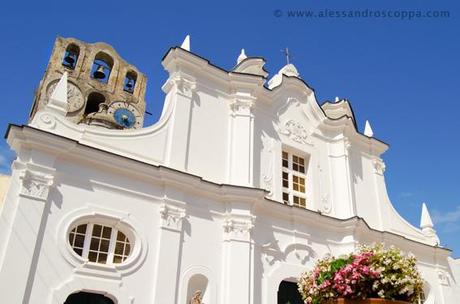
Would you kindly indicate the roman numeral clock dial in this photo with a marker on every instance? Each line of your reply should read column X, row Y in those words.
column 125, row 114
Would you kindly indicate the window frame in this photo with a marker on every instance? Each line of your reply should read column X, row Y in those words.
column 88, row 237
column 291, row 173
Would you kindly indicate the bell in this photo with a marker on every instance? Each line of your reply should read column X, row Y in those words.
column 130, row 84
column 69, row 59
column 99, row 73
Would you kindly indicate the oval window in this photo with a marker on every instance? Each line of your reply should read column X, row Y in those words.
column 99, row 243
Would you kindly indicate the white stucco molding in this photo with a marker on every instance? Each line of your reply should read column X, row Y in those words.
column 272, row 280
column 184, row 181
column 171, row 217
column 35, row 184
column 122, row 221
column 237, row 227
column 241, row 107
column 108, row 288
column 379, row 166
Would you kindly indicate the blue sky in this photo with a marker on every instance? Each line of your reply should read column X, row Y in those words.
column 401, row 74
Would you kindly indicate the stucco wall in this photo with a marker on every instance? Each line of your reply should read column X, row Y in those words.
column 4, row 182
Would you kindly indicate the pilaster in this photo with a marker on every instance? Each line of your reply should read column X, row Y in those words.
column 241, row 141
column 26, row 219
column 238, row 259
column 182, row 91
column 168, row 254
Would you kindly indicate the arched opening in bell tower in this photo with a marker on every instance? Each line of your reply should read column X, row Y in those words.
column 102, row 67
column 93, row 102
column 71, row 56
column 130, row 82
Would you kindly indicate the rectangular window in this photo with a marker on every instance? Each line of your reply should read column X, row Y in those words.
column 294, row 177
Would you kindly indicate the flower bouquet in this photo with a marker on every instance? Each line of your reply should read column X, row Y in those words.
column 370, row 272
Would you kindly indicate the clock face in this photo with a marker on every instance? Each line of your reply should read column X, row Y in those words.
column 75, row 98
column 125, row 114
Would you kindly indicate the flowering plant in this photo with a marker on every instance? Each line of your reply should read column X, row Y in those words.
column 370, row 272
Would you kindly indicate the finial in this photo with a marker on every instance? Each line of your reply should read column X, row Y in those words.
column 368, row 129
column 337, row 99
column 58, row 99
column 425, row 219
column 241, row 57
column 288, row 55
column 426, row 224
column 186, row 43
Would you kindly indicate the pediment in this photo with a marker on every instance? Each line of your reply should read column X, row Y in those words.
column 295, row 119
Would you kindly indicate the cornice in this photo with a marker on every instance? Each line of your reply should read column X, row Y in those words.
column 255, row 197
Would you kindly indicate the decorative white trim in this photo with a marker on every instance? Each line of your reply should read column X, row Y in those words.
column 238, row 227
column 171, row 217
column 241, row 107
column 118, row 220
column 443, row 278
column 379, row 166
column 295, row 131
column 35, row 184
column 108, row 288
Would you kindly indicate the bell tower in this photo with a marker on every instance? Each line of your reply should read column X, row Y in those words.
column 103, row 89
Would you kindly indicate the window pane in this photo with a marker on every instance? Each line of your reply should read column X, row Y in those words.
column 78, row 251
column 97, row 230
column 285, row 160
column 285, row 180
column 71, row 238
column 104, row 246
column 81, row 229
column 117, row 259
column 106, row 232
column 94, row 244
column 298, row 164
column 299, row 201
column 302, row 202
column 285, row 198
column 127, row 249
column 120, row 236
column 92, row 256
column 102, row 258
column 79, row 241
column 119, row 248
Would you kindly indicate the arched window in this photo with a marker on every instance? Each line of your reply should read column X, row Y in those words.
column 71, row 56
column 99, row 243
column 87, row 298
column 93, row 102
column 130, row 82
column 102, row 66
column 288, row 293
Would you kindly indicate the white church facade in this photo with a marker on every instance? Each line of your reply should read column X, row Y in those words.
column 242, row 184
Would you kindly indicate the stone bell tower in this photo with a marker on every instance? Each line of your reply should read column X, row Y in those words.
column 103, row 89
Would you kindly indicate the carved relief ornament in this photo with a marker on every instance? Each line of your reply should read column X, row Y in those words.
column 238, row 226
column 36, row 184
column 171, row 217
column 295, row 131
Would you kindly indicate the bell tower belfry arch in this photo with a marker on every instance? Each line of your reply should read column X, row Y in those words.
column 103, row 89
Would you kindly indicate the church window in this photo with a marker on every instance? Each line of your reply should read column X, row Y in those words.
column 99, row 243
column 293, row 179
